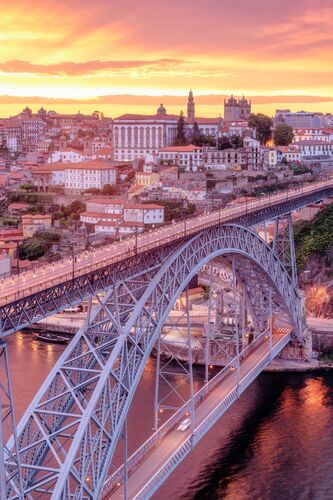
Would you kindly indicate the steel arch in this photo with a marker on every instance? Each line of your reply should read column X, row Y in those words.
column 69, row 433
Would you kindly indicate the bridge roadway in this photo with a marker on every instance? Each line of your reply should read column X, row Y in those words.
column 147, row 475
column 31, row 282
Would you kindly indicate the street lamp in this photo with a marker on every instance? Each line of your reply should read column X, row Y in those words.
column 73, row 261
column 18, row 258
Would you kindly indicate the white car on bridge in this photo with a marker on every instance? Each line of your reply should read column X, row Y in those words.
column 184, row 425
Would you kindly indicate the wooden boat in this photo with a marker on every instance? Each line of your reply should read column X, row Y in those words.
column 51, row 337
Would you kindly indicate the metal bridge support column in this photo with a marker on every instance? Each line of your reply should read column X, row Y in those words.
column 270, row 325
column 157, row 380
column 284, row 245
column 12, row 469
column 236, row 329
column 209, row 326
column 189, row 343
column 125, row 453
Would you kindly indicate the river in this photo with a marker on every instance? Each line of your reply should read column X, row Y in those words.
column 276, row 442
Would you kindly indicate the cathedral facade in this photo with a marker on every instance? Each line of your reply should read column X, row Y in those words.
column 235, row 111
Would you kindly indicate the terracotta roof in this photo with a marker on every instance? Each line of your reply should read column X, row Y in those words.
column 49, row 167
column 18, row 206
column 101, row 214
column 107, row 223
column 70, row 150
column 89, row 165
column 136, row 117
column 36, row 216
column 181, row 149
column 106, row 201
column 142, row 206
column 104, row 151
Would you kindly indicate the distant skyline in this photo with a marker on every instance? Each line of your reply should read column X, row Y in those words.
column 82, row 50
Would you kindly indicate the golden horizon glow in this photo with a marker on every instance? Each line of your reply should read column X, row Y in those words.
column 81, row 51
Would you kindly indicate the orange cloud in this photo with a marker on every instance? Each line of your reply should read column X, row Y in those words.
column 82, row 68
column 83, row 49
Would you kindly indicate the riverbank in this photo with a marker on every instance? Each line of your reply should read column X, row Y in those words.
column 287, row 365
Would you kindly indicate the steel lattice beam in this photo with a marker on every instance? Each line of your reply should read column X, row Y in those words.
column 32, row 308
column 69, row 433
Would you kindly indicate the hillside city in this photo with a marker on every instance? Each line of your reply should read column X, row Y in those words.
column 69, row 182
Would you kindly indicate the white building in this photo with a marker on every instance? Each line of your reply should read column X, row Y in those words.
column 313, row 134
column 67, row 155
column 146, row 214
column 100, row 217
column 106, row 205
column 86, row 175
column 315, row 148
column 269, row 157
column 135, row 136
column 187, row 157
column 288, row 153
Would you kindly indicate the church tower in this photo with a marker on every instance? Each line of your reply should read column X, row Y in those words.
column 190, row 107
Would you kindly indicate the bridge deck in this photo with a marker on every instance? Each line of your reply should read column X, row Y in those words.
column 53, row 274
column 168, row 447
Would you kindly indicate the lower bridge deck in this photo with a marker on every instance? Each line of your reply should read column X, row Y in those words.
column 150, row 469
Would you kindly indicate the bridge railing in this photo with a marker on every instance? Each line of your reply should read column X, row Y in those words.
column 134, row 460
column 139, row 244
column 208, row 422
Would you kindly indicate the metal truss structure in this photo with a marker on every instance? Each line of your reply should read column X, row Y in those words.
column 69, row 433
column 32, row 308
column 284, row 245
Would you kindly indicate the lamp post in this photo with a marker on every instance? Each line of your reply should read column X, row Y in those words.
column 73, row 259
column 18, row 258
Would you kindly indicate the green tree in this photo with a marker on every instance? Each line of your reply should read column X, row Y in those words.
column 208, row 140
column 262, row 124
column 108, row 189
column 236, row 141
column 196, row 135
column 224, row 142
column 181, row 131
column 27, row 186
column 283, row 134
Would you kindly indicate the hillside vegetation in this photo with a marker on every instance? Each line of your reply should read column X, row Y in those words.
column 315, row 237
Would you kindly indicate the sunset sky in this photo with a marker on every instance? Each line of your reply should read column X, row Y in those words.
column 79, row 50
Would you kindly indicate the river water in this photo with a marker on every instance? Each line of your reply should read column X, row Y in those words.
column 276, row 442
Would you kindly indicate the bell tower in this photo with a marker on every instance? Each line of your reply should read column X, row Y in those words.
column 190, row 107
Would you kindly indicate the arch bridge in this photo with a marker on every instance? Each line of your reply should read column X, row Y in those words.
column 64, row 445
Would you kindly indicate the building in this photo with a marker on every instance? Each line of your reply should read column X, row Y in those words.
column 269, row 158
column 117, row 218
column 135, row 136
column 105, row 205
column 222, row 159
column 207, row 126
column 188, row 158
column 288, row 153
column 5, row 264
column 91, row 174
column 190, row 107
column 75, row 177
column 66, row 155
column 33, row 223
column 315, row 148
column 313, row 134
column 146, row 214
column 52, row 174
column 236, row 110
column 300, row 119
column 103, row 154
column 147, row 178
